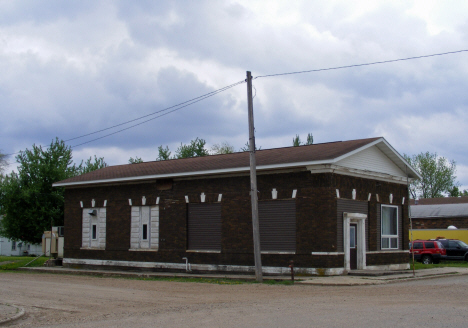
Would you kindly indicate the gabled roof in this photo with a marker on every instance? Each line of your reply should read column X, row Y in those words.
column 438, row 211
column 267, row 160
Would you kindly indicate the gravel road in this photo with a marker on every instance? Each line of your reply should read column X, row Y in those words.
column 81, row 301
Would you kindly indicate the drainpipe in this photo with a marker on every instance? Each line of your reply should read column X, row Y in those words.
column 188, row 267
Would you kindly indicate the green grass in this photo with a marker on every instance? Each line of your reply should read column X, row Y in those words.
column 20, row 261
column 15, row 262
column 442, row 264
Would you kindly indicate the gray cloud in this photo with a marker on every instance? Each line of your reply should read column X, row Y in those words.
column 71, row 68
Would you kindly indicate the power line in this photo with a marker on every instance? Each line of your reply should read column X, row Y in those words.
column 365, row 64
column 177, row 107
column 198, row 99
column 210, row 94
column 160, row 111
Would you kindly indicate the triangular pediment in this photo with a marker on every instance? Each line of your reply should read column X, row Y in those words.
column 372, row 159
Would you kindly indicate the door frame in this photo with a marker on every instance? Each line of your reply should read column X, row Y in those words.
column 360, row 220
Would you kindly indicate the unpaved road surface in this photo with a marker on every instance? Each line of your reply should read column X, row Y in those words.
column 80, row 301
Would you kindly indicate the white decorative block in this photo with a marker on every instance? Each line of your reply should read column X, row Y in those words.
column 81, row 204
column 337, row 193
column 220, row 196
column 354, row 194
column 294, row 193
column 202, row 197
column 93, row 203
column 369, row 197
column 143, row 200
column 105, row 203
column 403, row 201
column 157, row 200
column 186, row 199
column 274, row 194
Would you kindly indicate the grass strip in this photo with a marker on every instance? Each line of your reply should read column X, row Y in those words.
column 15, row 262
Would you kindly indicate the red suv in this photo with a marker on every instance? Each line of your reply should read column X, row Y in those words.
column 428, row 251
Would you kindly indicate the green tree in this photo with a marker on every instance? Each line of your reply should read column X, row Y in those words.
column 164, row 153
column 456, row 192
column 196, row 148
column 310, row 139
column 28, row 201
column 296, row 141
column 90, row 166
column 3, row 162
column 135, row 160
column 223, row 148
column 247, row 147
column 438, row 175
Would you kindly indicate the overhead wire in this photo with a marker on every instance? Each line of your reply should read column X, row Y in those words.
column 210, row 94
column 187, row 103
column 176, row 108
column 207, row 95
column 364, row 64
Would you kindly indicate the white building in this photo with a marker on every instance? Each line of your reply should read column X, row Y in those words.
column 18, row 248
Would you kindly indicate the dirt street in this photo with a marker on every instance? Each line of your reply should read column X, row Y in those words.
column 80, row 301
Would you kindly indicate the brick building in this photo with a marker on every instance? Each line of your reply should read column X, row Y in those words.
column 328, row 207
column 440, row 213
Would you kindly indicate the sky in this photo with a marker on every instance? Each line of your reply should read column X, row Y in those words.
column 71, row 68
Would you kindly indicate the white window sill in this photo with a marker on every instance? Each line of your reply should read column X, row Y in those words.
column 327, row 253
column 272, row 252
column 143, row 250
column 202, row 251
column 388, row 251
column 93, row 248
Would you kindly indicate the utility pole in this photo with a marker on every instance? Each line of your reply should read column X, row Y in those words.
column 253, row 183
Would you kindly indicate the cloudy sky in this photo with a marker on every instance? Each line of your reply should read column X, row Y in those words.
column 70, row 68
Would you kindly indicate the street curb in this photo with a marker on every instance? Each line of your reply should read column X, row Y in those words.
column 15, row 317
column 429, row 277
column 374, row 282
column 359, row 281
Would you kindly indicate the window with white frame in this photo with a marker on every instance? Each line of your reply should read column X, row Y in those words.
column 13, row 245
column 94, row 228
column 144, row 228
column 389, row 227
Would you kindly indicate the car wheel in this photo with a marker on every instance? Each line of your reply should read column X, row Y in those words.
column 426, row 259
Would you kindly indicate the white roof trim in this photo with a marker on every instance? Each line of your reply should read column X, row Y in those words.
column 192, row 173
column 357, row 173
column 247, row 168
column 403, row 165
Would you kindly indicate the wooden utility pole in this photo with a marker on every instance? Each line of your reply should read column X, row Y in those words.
column 253, row 183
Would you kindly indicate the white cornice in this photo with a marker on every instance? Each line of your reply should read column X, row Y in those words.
column 356, row 173
column 191, row 174
column 314, row 166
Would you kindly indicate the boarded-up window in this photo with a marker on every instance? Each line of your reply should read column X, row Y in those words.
column 277, row 221
column 94, row 228
column 204, row 227
column 145, row 227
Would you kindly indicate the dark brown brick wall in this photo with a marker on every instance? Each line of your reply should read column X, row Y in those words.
column 389, row 258
column 315, row 214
